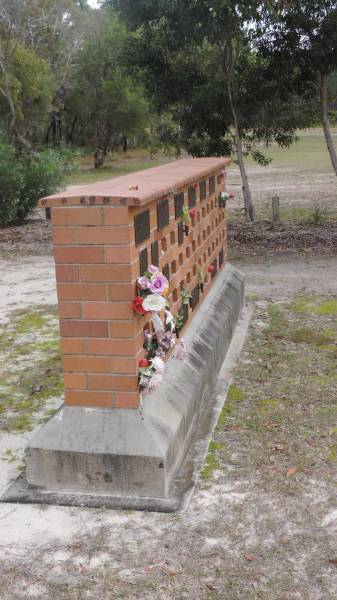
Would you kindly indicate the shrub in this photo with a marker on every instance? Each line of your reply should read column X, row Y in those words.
column 24, row 180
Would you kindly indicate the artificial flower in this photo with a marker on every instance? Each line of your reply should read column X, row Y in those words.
column 153, row 303
column 231, row 195
column 211, row 268
column 180, row 351
column 158, row 364
column 143, row 363
column 169, row 320
column 143, row 283
column 158, row 283
column 138, row 306
column 152, row 269
column 169, row 340
column 193, row 213
column 154, row 382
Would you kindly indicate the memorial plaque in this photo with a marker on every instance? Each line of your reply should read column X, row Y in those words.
column 195, row 297
column 163, row 215
column 166, row 271
column 203, row 192
column 183, row 312
column 221, row 258
column 155, row 254
column 143, row 261
column 192, row 197
column 178, row 204
column 212, row 185
column 142, row 227
column 180, row 233
column 215, row 265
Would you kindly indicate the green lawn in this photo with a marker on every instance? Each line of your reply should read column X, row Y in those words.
column 310, row 152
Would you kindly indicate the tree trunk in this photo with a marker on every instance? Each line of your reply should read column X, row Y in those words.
column 247, row 196
column 99, row 158
column 325, row 120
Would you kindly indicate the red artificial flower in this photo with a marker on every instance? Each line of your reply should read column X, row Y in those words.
column 231, row 195
column 143, row 362
column 196, row 186
column 211, row 269
column 137, row 306
column 192, row 213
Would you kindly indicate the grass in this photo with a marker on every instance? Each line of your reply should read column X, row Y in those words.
column 30, row 371
column 308, row 153
column 135, row 160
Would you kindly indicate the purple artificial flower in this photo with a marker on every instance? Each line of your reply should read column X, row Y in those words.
column 152, row 269
column 143, row 283
column 158, row 284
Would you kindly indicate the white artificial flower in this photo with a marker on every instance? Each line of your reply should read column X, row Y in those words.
column 170, row 320
column 158, row 364
column 154, row 303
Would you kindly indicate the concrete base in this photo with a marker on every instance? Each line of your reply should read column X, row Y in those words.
column 122, row 453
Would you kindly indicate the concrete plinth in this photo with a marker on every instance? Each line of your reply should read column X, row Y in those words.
column 133, row 454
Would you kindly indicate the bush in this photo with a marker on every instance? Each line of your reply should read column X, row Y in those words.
column 24, row 180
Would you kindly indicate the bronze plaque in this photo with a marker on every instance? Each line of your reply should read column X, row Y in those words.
column 166, row 271
column 178, row 204
column 203, row 193
column 142, row 227
column 163, row 215
column 212, row 185
column 195, row 297
column 221, row 258
column 155, row 254
column 180, row 233
column 215, row 265
column 183, row 312
column 143, row 261
column 192, row 197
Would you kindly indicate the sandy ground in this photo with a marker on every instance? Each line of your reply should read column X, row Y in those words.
column 58, row 553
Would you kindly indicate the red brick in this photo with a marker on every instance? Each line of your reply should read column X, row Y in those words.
column 81, row 291
column 127, row 400
column 77, row 216
column 67, row 273
column 113, row 347
column 87, row 364
column 103, row 235
column 75, row 381
column 79, row 254
column 115, row 215
column 86, row 398
column 87, row 329
column 123, row 383
column 120, row 254
column 108, row 273
column 64, row 235
column 70, row 310
column 107, row 310
column 124, row 365
column 72, row 346
column 124, row 329
column 121, row 292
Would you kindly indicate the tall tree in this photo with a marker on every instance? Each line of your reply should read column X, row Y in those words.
column 107, row 101
column 302, row 35
column 200, row 64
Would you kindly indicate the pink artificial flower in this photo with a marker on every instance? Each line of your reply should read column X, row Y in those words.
column 153, row 269
column 231, row 195
column 143, row 283
column 158, row 283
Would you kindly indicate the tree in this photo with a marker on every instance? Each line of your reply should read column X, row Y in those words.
column 302, row 34
column 200, row 64
column 107, row 101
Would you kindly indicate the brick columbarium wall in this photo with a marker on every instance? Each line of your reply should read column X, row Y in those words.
column 104, row 239
column 105, row 236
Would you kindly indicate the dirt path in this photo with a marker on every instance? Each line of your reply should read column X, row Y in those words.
column 263, row 520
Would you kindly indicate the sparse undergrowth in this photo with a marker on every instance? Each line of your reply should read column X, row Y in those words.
column 30, row 368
